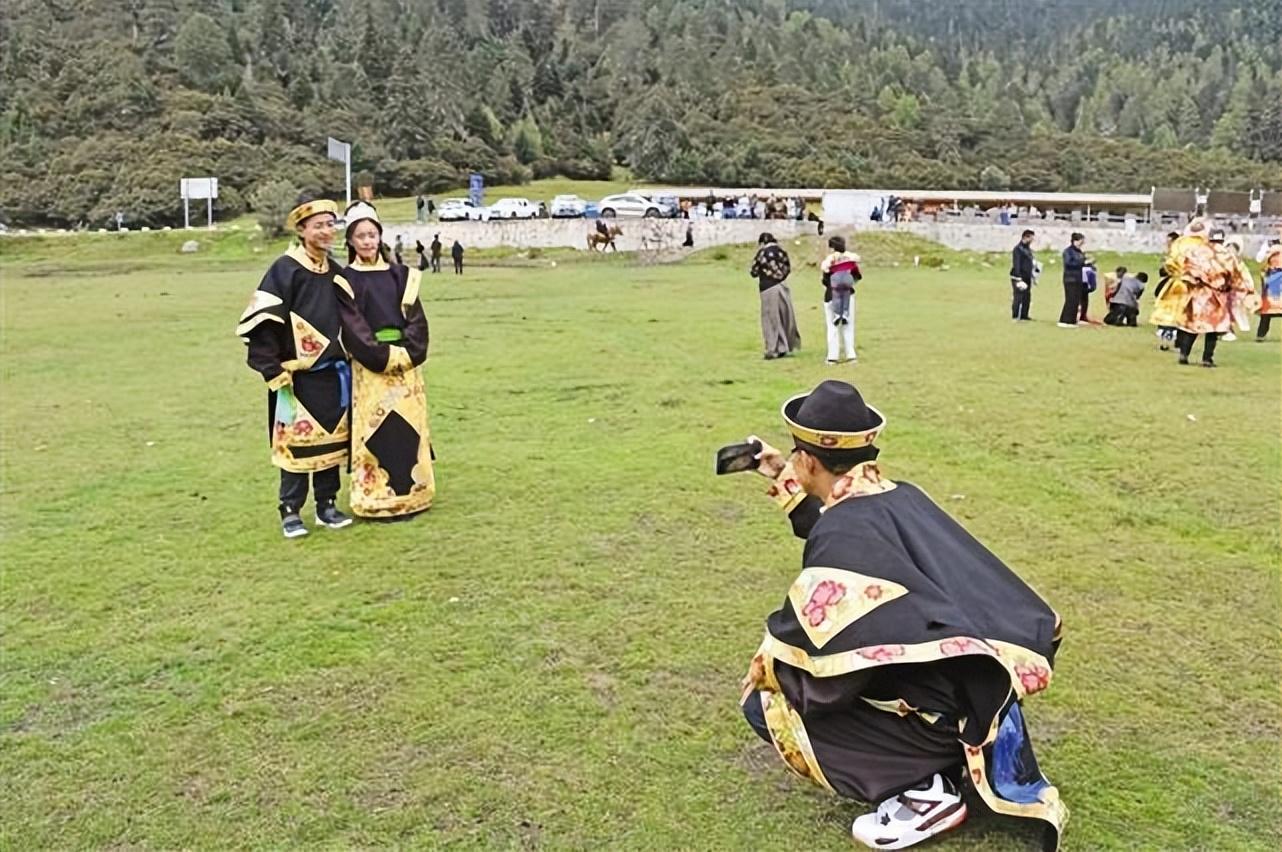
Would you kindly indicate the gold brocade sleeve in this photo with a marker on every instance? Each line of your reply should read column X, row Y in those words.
column 785, row 490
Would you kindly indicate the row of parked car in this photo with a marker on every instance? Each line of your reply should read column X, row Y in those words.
column 623, row 205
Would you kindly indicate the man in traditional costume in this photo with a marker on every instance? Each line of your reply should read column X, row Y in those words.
column 899, row 660
column 386, row 332
column 291, row 328
column 1270, row 259
column 1210, row 272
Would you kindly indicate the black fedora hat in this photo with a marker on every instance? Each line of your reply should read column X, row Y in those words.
column 832, row 417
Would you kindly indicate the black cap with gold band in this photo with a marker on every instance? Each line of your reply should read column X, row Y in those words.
column 307, row 210
column 832, row 417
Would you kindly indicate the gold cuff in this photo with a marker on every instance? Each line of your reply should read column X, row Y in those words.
column 283, row 379
column 786, row 491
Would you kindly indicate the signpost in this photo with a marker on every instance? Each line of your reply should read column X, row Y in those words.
column 342, row 152
column 476, row 188
column 202, row 187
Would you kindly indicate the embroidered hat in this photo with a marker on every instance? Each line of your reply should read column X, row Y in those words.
column 307, row 210
column 832, row 417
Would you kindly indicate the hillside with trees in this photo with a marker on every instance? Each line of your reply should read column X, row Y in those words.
column 105, row 104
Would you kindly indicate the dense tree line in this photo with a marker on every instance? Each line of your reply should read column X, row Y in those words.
column 107, row 103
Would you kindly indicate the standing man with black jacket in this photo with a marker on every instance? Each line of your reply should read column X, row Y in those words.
column 1075, row 261
column 1021, row 276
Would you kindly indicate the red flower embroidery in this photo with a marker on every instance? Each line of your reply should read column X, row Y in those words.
column 873, row 592
column 1033, row 678
column 303, row 427
column 953, row 647
column 310, row 345
column 792, row 486
column 882, row 653
column 826, row 594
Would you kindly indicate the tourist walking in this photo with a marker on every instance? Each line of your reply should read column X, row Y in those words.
column 456, row 252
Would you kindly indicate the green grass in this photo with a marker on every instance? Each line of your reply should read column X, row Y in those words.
column 550, row 657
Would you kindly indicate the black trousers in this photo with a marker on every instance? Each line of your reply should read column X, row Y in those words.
column 458, row 266
column 1263, row 331
column 1020, row 301
column 1086, row 303
column 293, row 488
column 1122, row 315
column 1184, row 343
column 436, row 263
column 1073, row 294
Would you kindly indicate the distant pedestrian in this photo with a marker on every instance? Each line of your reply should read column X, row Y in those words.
column 420, row 208
column 1075, row 261
column 840, row 272
column 1164, row 300
column 771, row 267
column 689, row 240
column 456, row 252
column 422, row 255
column 1022, row 265
column 431, row 206
column 1270, row 260
column 436, row 253
column 399, row 250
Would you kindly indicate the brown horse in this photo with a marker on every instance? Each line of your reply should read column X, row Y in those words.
column 596, row 238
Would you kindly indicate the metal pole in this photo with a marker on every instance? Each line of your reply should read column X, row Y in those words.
column 209, row 202
column 186, row 213
column 347, row 167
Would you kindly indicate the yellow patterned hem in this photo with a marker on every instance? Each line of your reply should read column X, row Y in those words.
column 788, row 734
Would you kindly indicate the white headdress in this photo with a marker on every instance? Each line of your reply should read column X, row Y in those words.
column 359, row 211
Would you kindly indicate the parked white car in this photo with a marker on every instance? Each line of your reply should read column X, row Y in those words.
column 462, row 209
column 628, row 204
column 568, row 207
column 514, row 208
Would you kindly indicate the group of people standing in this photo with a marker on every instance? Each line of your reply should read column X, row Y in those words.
column 839, row 272
column 340, row 351
column 1205, row 288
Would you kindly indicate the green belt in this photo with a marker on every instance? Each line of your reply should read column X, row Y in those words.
column 389, row 335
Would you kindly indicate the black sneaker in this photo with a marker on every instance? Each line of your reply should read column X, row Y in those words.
column 1208, row 363
column 1184, row 360
column 327, row 515
column 292, row 525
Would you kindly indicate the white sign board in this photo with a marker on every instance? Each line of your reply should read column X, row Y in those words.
column 195, row 188
column 342, row 152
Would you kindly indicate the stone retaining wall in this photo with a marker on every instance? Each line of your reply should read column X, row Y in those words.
column 638, row 234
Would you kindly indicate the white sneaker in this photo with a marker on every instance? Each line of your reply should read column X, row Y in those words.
column 912, row 816
column 1066, row 324
column 1229, row 337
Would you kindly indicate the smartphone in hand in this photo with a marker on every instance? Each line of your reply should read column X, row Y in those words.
column 737, row 458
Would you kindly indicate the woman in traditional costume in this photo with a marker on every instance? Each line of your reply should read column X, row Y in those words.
column 385, row 331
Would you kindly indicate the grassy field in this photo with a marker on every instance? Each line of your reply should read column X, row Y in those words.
column 550, row 657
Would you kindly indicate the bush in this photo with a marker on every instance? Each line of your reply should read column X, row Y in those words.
column 229, row 204
column 272, row 202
